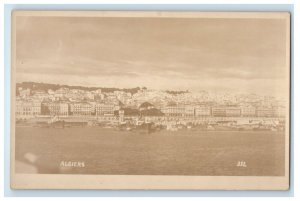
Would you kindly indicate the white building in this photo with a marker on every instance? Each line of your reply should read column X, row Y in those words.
column 202, row 111
column 104, row 109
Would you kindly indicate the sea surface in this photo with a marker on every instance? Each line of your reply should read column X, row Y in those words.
column 108, row 151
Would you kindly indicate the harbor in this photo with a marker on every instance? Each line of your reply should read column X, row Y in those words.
column 152, row 124
column 109, row 151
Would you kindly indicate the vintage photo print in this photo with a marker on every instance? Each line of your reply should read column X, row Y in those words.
column 150, row 100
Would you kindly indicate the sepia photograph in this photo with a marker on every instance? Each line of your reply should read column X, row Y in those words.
column 150, row 100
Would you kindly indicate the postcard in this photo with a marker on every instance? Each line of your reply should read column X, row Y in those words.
column 150, row 100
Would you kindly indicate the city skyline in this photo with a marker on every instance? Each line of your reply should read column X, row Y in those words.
column 240, row 55
column 77, row 87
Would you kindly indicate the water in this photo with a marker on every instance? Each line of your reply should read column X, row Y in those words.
column 107, row 151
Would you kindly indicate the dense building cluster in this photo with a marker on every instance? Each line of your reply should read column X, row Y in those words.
column 66, row 102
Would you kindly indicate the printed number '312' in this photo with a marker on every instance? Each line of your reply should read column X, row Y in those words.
column 241, row 164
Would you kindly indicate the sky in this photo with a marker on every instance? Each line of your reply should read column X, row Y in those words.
column 233, row 55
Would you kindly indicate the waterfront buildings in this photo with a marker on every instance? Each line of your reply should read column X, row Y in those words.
column 27, row 109
column 265, row 112
column 104, row 109
column 226, row 111
column 248, row 111
column 173, row 111
column 59, row 108
column 81, row 109
column 218, row 111
column 233, row 111
column 202, row 111
column 154, row 105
